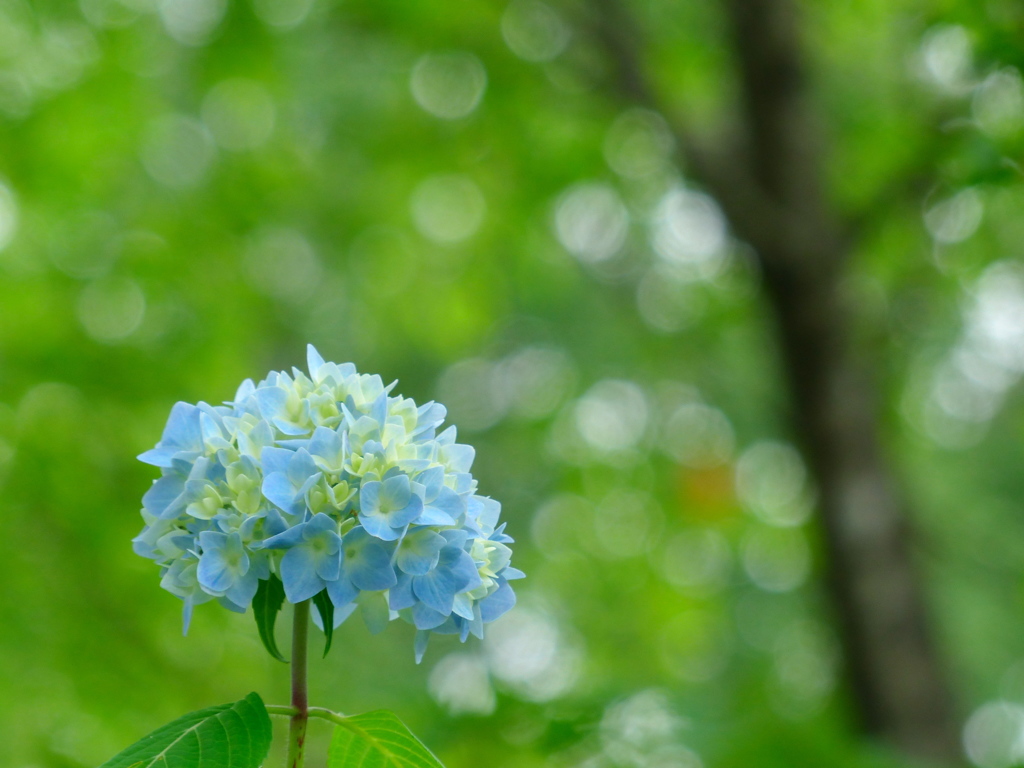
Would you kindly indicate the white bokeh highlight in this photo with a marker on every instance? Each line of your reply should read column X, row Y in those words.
column 772, row 483
column 529, row 653
column 177, row 151
column 8, row 215
column 994, row 735
column 449, row 84
column 612, row 415
column 448, row 209
column 282, row 264
column 956, row 218
column 591, row 221
column 688, row 231
column 638, row 144
column 534, row 31
column 192, row 22
column 239, row 113
column 111, row 309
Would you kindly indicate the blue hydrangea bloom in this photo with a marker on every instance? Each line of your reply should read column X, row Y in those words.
column 331, row 483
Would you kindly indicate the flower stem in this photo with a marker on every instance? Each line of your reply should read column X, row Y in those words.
column 300, row 694
column 283, row 711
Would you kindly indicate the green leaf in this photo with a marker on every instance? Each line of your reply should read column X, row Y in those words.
column 226, row 736
column 377, row 740
column 265, row 606
column 325, row 607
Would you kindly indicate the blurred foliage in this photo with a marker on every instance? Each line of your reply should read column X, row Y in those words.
column 450, row 195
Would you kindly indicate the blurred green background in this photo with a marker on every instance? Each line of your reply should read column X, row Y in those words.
column 451, row 194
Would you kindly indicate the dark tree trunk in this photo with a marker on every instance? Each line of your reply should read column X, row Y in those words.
column 769, row 184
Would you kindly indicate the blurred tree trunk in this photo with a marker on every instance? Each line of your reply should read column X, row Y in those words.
column 769, row 182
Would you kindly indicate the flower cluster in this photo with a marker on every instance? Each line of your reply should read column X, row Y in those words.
column 329, row 483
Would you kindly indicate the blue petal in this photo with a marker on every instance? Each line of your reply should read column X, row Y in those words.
column 450, row 626
column 433, row 516
column 164, row 498
column 422, row 638
column 275, row 459
column 307, row 485
column 432, row 480
column 464, row 482
column 301, row 467
column 245, row 530
column 298, row 574
column 288, row 427
column 320, row 524
column 244, row 589
column 449, row 501
column 159, row 457
column 326, row 444
column 418, row 551
column 466, row 569
column 367, row 562
column 271, row 401
column 400, row 518
column 273, row 523
column 286, row 540
column 377, row 525
column 395, row 493
column 447, row 437
column 437, row 589
column 375, row 611
column 498, row 603
column 328, row 564
column 186, row 615
column 321, row 537
column 342, row 593
column 293, row 444
column 488, row 512
column 245, row 389
column 369, row 497
column 428, row 417
column 457, row 457
column 454, row 572
column 476, row 626
column 181, row 434
column 278, row 490
column 425, row 617
column 342, row 613
column 214, row 573
column 259, row 439
column 230, row 605
column 313, row 361
column 212, row 541
column 259, row 565
column 144, row 545
column 400, row 595
column 456, row 539
column 209, row 427
column 463, row 606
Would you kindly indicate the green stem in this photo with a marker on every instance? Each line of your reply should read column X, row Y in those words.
column 300, row 692
column 326, row 714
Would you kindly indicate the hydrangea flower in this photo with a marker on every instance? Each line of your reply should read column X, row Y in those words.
column 332, row 484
